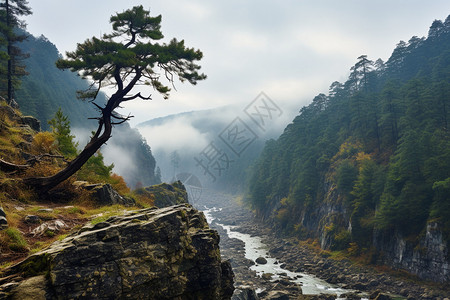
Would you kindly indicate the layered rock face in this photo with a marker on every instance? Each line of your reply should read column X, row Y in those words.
column 427, row 256
column 168, row 253
column 428, row 259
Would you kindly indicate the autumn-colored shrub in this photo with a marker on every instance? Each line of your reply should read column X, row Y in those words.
column 119, row 184
column 44, row 142
column 143, row 197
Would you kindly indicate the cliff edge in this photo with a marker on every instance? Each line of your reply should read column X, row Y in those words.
column 167, row 253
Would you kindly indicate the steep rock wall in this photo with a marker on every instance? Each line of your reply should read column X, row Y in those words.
column 427, row 256
column 428, row 259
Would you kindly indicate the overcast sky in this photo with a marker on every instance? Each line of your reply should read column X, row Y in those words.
column 291, row 50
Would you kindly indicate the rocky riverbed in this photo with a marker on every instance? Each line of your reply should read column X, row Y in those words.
column 360, row 281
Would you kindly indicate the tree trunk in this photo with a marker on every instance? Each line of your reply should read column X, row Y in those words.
column 44, row 184
column 9, row 51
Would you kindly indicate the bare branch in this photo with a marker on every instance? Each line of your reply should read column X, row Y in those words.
column 10, row 167
column 138, row 95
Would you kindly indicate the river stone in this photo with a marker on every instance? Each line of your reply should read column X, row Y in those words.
column 261, row 260
column 244, row 293
column 277, row 295
column 350, row 296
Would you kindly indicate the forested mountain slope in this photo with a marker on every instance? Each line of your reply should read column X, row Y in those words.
column 47, row 88
column 366, row 168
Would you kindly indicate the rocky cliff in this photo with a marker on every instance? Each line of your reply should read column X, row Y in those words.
column 168, row 253
column 425, row 256
column 428, row 259
column 330, row 222
column 165, row 194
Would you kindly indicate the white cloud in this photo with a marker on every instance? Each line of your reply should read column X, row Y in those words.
column 245, row 41
column 328, row 42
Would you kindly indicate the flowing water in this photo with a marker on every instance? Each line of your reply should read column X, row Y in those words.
column 254, row 248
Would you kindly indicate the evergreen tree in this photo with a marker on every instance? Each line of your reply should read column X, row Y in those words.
column 375, row 153
column 10, row 25
column 60, row 126
column 124, row 59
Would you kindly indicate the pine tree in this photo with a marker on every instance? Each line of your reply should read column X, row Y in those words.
column 10, row 27
column 126, row 58
column 60, row 126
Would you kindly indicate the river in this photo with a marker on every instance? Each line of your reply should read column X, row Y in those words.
column 255, row 248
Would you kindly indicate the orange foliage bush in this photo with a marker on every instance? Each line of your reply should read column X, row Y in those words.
column 144, row 197
column 43, row 142
column 119, row 184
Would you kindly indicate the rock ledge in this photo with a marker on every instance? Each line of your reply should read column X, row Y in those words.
column 168, row 253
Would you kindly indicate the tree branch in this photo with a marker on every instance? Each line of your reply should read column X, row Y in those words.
column 138, row 95
column 10, row 167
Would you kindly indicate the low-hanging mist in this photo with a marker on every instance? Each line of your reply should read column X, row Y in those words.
column 180, row 141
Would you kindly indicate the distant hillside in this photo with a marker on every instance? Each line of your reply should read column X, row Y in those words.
column 182, row 140
column 47, row 88
column 366, row 168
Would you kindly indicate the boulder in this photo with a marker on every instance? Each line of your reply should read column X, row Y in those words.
column 32, row 219
column 382, row 297
column 277, row 295
column 34, row 123
column 267, row 276
column 104, row 194
column 168, row 253
column 261, row 260
column 166, row 194
column 379, row 296
column 244, row 293
column 8, row 111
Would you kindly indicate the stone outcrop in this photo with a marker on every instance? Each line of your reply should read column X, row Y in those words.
column 427, row 256
column 428, row 259
column 168, row 253
column 14, row 115
column 34, row 123
column 165, row 194
column 104, row 194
